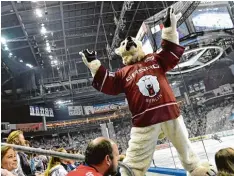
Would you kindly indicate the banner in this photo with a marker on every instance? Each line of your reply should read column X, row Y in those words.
column 75, row 110
column 88, row 110
column 107, row 107
column 41, row 111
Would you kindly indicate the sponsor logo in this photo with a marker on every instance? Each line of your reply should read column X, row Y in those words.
column 141, row 70
column 197, row 58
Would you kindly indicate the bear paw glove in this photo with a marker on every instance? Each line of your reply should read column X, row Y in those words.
column 169, row 31
column 90, row 60
column 204, row 169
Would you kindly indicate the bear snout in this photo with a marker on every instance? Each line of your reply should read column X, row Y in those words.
column 149, row 86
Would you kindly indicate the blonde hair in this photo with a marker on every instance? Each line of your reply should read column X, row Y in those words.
column 54, row 161
column 13, row 137
column 4, row 150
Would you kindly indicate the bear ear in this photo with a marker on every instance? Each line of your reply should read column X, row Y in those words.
column 117, row 51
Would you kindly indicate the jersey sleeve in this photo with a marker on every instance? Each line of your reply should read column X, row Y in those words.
column 169, row 55
column 108, row 82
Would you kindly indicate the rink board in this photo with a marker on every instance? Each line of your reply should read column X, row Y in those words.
column 160, row 171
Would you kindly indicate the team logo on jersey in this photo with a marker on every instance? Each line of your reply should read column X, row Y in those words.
column 148, row 85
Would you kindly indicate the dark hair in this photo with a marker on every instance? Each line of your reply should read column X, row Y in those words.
column 96, row 153
column 224, row 160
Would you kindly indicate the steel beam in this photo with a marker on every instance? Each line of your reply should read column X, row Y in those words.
column 22, row 26
column 10, row 27
column 63, row 29
column 64, row 38
column 73, row 46
column 18, row 48
column 139, row 3
column 99, row 24
column 84, row 27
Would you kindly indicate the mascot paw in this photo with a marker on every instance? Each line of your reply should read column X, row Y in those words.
column 169, row 31
column 204, row 169
column 90, row 60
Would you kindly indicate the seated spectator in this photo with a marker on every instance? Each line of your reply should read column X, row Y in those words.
column 55, row 167
column 9, row 162
column 17, row 138
column 224, row 160
column 101, row 159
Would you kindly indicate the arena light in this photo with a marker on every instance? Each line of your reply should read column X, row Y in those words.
column 3, row 40
column 60, row 102
column 43, row 30
column 10, row 54
column 21, row 60
column 6, row 48
column 29, row 65
column 48, row 49
column 50, row 56
column 38, row 13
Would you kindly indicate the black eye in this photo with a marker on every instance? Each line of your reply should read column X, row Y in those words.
column 123, row 43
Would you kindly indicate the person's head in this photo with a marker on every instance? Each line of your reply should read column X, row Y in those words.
column 8, row 158
column 16, row 137
column 54, row 161
column 224, row 160
column 102, row 153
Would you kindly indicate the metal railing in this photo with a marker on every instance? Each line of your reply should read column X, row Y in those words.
column 77, row 157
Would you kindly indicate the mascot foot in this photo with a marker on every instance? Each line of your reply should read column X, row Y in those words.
column 204, row 169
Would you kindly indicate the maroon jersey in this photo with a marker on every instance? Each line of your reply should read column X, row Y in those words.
column 147, row 90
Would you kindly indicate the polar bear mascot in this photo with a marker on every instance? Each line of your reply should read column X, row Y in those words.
column 150, row 98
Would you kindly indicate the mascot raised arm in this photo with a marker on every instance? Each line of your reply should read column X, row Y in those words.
column 150, row 98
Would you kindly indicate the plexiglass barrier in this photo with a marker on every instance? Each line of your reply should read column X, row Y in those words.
column 203, row 81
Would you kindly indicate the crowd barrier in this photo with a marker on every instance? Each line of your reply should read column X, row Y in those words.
column 167, row 171
column 76, row 157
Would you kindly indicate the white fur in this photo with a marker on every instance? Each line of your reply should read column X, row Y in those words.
column 170, row 35
column 204, row 169
column 135, row 54
column 142, row 146
column 93, row 65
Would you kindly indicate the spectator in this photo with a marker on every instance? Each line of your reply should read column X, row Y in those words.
column 55, row 167
column 101, row 159
column 17, row 138
column 9, row 162
column 224, row 160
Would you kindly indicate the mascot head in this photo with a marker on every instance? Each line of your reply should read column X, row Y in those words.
column 130, row 50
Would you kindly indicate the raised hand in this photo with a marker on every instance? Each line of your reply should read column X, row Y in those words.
column 171, row 19
column 90, row 60
column 88, row 55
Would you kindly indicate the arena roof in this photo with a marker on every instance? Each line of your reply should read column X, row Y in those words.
column 41, row 41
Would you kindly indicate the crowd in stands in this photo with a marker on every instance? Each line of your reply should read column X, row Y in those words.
column 199, row 120
column 203, row 120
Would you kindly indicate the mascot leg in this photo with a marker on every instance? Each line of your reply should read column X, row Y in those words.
column 176, row 131
column 141, row 148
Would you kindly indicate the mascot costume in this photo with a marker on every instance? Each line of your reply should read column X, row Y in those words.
column 150, row 98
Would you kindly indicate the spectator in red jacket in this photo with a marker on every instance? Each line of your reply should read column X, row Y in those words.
column 101, row 159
